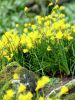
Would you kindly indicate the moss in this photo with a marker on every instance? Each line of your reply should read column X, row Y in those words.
column 7, row 73
column 70, row 96
column 6, row 76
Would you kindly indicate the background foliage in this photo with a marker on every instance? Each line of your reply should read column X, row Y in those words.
column 12, row 12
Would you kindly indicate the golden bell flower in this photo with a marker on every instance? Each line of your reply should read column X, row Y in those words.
column 41, row 98
column 49, row 48
column 59, row 35
column 21, row 88
column 16, row 76
column 64, row 90
column 9, row 94
column 50, row 4
column 25, row 50
column 42, row 82
column 17, row 25
column 26, row 9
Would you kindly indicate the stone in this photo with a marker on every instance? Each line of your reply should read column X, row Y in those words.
column 27, row 77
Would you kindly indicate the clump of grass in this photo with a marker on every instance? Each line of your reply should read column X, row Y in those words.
column 44, row 47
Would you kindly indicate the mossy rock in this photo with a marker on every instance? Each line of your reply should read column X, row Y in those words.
column 26, row 76
column 7, row 73
column 70, row 96
column 70, row 83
